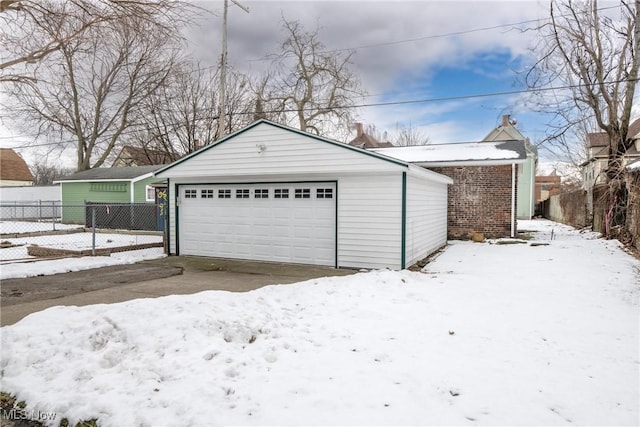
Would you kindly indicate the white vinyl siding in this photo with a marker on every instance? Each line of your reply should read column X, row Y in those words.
column 284, row 151
column 426, row 226
column 370, row 221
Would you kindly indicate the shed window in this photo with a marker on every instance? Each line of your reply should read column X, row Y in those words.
column 324, row 193
column 261, row 193
column 206, row 193
column 110, row 187
column 303, row 193
column 242, row 193
column 281, row 193
column 224, row 194
column 150, row 193
column 190, row 194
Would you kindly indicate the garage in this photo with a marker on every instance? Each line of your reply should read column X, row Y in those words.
column 273, row 193
column 287, row 222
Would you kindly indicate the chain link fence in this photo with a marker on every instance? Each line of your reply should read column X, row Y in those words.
column 45, row 229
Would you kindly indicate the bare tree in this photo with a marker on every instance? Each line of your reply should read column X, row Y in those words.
column 45, row 173
column 379, row 135
column 311, row 87
column 31, row 30
column 182, row 115
column 595, row 56
column 89, row 88
column 409, row 135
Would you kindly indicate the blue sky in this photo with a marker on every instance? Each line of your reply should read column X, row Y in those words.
column 404, row 51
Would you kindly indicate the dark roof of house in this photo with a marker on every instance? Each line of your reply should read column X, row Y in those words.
column 124, row 173
column 604, row 152
column 601, row 139
column 140, row 156
column 367, row 141
column 13, row 167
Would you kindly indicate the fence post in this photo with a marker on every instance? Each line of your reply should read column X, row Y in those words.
column 53, row 215
column 93, row 225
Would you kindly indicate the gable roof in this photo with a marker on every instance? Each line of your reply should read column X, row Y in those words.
column 506, row 131
column 490, row 153
column 367, row 141
column 13, row 167
column 129, row 173
column 288, row 129
column 601, row 139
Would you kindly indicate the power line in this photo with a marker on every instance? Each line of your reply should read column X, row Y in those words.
column 365, row 105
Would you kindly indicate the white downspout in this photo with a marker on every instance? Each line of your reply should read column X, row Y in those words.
column 131, row 196
column 513, row 200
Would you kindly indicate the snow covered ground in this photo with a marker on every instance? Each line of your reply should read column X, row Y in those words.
column 66, row 265
column 488, row 334
column 34, row 226
column 75, row 241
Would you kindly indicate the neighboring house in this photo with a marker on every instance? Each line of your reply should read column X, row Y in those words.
column 14, row 171
column 483, row 197
column 273, row 193
column 124, row 185
column 547, row 186
column 593, row 169
column 507, row 131
column 364, row 140
column 138, row 156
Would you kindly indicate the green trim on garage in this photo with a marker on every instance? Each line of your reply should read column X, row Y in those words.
column 167, row 222
column 403, row 244
column 177, row 209
column 336, row 229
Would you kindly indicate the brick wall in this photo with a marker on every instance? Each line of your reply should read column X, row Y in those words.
column 479, row 201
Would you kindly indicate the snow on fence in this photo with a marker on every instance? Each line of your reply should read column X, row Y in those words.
column 30, row 231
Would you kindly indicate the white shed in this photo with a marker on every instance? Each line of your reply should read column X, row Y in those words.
column 272, row 193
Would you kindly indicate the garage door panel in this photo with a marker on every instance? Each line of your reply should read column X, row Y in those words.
column 286, row 229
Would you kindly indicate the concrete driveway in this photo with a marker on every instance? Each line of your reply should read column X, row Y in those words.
column 149, row 279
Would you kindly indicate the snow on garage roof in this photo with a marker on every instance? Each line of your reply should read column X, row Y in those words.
column 466, row 153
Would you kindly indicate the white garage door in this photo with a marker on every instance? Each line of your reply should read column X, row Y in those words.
column 285, row 222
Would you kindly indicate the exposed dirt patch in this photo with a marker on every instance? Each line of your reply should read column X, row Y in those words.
column 18, row 291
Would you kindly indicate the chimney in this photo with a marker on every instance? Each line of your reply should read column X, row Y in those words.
column 359, row 131
column 506, row 120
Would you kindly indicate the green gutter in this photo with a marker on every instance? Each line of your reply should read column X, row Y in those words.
column 177, row 222
column 336, row 230
column 168, row 221
column 403, row 244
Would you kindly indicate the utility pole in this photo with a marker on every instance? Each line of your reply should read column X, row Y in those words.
column 222, row 111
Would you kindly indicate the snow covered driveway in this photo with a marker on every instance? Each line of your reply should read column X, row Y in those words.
column 489, row 334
